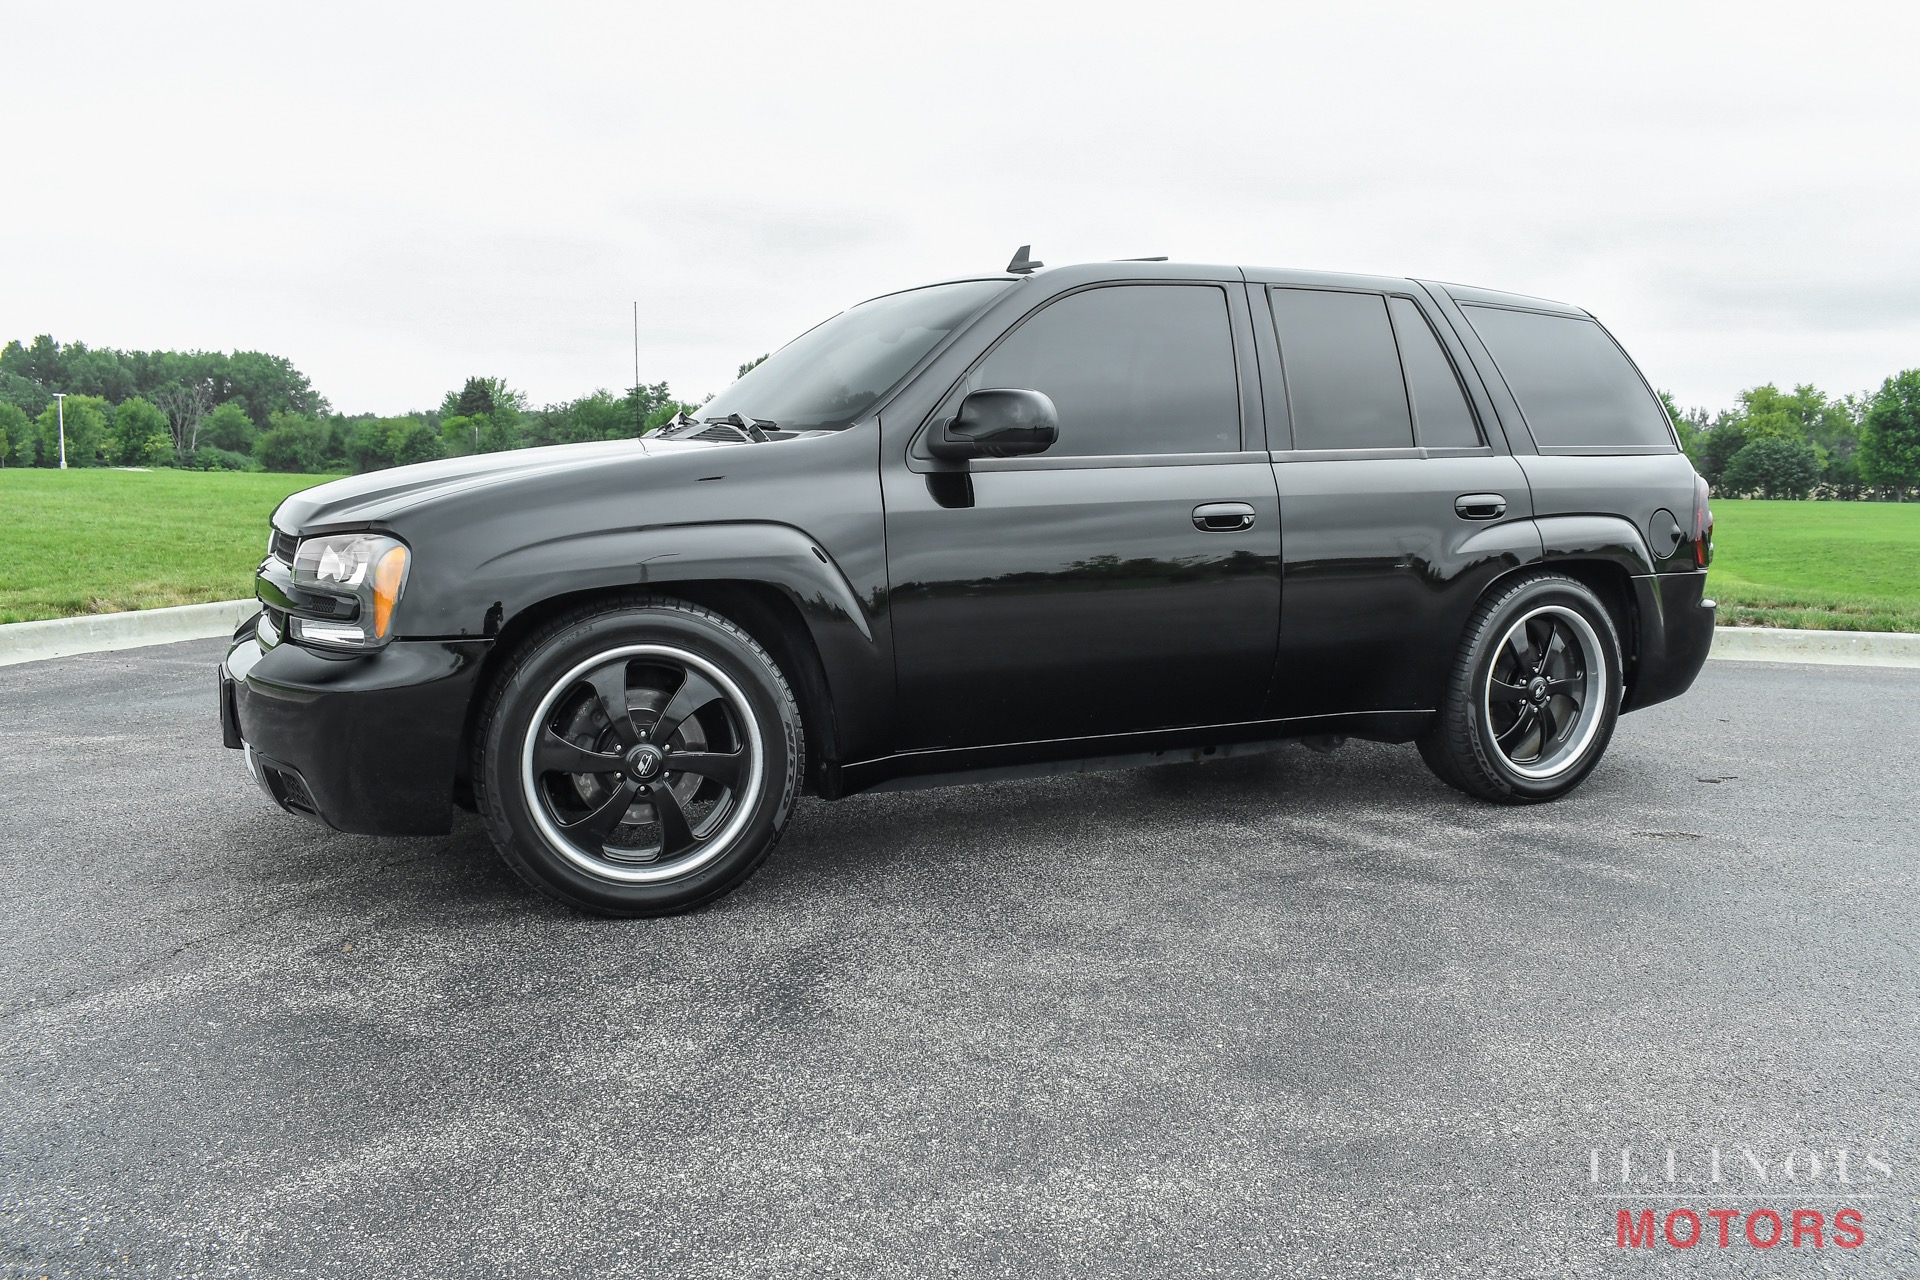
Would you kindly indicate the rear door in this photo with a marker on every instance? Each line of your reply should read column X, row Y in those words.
column 1127, row 579
column 1398, row 501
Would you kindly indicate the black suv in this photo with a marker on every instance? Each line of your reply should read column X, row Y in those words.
column 1112, row 513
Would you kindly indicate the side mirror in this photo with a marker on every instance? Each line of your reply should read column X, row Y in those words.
column 998, row 422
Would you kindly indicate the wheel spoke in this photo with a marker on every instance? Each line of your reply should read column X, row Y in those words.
column 1501, row 691
column 694, row 693
column 722, row 766
column 554, row 754
column 1522, row 645
column 1520, row 722
column 610, row 682
column 603, row 820
column 1556, row 645
column 1565, row 686
column 1549, row 725
column 675, row 835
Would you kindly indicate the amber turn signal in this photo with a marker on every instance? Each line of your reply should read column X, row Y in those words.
column 389, row 575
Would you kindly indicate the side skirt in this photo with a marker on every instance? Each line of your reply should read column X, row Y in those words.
column 960, row 766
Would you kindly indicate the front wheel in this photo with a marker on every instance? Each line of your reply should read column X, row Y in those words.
column 1533, row 696
column 640, row 758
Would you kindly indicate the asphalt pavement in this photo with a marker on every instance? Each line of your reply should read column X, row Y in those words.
column 1286, row 1015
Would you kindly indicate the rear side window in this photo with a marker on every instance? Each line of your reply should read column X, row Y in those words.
column 1441, row 417
column 1343, row 371
column 1132, row 369
column 1575, row 386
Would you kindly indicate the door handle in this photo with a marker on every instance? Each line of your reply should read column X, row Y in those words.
column 1480, row 506
column 1222, row 517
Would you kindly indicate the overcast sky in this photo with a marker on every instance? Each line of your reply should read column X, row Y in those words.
column 396, row 196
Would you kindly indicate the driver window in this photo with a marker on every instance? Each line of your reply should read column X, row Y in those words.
column 1132, row 369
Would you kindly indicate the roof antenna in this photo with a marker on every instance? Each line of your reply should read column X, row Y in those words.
column 1023, row 265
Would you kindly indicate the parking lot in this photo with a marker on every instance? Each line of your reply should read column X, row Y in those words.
column 1290, row 1014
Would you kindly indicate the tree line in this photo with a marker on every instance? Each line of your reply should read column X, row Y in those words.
column 1805, row 444
column 249, row 411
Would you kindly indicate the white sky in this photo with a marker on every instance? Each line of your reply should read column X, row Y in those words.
column 396, row 196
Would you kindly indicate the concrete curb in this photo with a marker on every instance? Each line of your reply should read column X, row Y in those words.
column 1834, row 648
column 103, row 632
column 100, row 632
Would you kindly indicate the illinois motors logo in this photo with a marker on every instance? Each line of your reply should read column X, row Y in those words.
column 1739, row 1196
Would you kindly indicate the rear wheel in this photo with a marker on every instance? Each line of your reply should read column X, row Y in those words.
column 640, row 758
column 1533, row 695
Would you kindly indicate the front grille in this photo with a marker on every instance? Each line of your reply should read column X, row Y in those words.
column 283, row 546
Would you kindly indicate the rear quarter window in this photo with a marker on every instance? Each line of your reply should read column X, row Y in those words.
column 1575, row 386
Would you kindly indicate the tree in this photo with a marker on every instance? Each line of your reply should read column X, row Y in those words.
column 1890, row 436
column 476, row 398
column 86, row 432
column 482, row 395
column 757, row 361
column 140, row 435
column 375, row 443
column 15, row 433
column 228, row 427
column 1773, row 467
column 1717, row 445
column 185, row 404
column 292, row 442
column 1686, row 426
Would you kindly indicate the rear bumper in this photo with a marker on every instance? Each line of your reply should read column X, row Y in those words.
column 366, row 743
column 1675, row 632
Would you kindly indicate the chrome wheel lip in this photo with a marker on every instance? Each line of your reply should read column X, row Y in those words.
column 1592, row 703
column 710, row 848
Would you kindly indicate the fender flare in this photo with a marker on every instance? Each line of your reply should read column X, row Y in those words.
column 1595, row 537
column 856, row 660
column 743, row 551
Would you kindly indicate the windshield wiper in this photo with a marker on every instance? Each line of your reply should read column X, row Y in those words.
column 680, row 427
column 752, row 426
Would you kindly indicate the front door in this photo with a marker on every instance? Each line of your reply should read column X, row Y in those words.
column 1128, row 579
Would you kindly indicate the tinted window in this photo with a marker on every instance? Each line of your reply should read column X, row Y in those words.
column 1131, row 368
column 1574, row 385
column 1342, row 369
column 1441, row 418
column 832, row 373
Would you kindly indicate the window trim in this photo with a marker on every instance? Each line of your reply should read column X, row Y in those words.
column 1369, row 455
column 919, row 459
column 1109, row 461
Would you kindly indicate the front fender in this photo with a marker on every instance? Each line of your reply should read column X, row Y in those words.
column 742, row 551
column 854, row 658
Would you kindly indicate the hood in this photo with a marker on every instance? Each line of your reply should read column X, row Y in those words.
column 380, row 495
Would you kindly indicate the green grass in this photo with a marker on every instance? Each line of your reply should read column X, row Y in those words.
column 99, row 541
column 1847, row 566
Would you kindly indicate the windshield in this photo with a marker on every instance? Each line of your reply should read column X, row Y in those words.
column 831, row 374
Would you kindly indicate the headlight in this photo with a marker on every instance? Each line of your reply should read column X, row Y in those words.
column 369, row 568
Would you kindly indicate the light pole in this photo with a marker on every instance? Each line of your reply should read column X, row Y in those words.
column 60, row 400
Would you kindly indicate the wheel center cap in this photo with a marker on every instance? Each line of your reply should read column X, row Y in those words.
column 644, row 761
column 1537, row 689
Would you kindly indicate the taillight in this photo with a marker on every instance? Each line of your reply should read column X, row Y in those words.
column 1702, row 524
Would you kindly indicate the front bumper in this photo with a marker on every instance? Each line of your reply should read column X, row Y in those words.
column 1674, row 634
column 365, row 743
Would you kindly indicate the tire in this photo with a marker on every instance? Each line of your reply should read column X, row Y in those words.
column 1533, row 696
column 582, row 797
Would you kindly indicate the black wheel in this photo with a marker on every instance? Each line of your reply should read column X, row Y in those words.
column 639, row 758
column 1532, row 698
